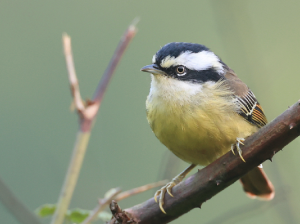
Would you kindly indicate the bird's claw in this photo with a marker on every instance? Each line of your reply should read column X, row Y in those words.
column 161, row 193
column 232, row 148
column 237, row 145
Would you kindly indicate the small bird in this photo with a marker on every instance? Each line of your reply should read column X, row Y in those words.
column 199, row 109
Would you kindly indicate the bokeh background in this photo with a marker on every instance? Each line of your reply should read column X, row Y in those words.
column 258, row 39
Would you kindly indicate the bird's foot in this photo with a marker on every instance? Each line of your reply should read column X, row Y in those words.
column 168, row 188
column 237, row 146
column 161, row 193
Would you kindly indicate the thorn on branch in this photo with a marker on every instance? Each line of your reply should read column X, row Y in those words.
column 292, row 125
column 218, row 182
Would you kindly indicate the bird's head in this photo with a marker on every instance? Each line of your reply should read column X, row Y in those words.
column 187, row 62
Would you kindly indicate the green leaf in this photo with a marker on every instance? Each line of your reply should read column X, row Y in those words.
column 79, row 215
column 76, row 215
column 45, row 210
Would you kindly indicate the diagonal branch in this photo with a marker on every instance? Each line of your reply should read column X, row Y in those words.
column 117, row 195
column 127, row 37
column 138, row 190
column 94, row 105
column 220, row 174
column 15, row 206
column 103, row 203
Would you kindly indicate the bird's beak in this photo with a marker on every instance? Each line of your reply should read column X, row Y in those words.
column 152, row 69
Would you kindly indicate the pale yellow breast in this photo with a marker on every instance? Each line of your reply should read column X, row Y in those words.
column 198, row 123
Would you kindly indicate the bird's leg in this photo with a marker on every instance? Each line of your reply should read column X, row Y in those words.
column 176, row 180
column 237, row 145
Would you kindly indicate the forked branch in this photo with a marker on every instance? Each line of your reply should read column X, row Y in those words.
column 87, row 114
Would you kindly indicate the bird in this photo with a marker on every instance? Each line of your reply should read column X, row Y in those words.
column 199, row 109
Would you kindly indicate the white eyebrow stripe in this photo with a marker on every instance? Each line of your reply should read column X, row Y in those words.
column 195, row 61
column 154, row 59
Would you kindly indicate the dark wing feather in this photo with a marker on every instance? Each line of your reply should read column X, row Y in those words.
column 250, row 109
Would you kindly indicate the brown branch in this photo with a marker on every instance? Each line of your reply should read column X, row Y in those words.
column 93, row 106
column 220, row 174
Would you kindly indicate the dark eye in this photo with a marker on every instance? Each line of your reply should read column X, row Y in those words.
column 180, row 70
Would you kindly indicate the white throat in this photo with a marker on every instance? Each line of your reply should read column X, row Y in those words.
column 173, row 90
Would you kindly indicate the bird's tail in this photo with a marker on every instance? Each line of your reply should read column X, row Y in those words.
column 257, row 185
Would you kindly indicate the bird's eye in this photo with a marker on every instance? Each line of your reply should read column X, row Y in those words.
column 180, row 70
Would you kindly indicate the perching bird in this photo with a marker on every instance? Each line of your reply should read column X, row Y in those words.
column 199, row 109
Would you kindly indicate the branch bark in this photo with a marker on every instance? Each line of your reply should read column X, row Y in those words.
column 220, row 174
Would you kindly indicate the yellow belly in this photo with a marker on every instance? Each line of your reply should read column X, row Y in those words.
column 197, row 130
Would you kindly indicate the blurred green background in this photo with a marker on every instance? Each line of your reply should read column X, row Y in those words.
column 258, row 39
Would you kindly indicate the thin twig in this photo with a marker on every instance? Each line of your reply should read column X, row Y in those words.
column 118, row 197
column 220, row 174
column 127, row 37
column 74, row 86
column 138, row 190
column 93, row 107
column 87, row 116
column 103, row 203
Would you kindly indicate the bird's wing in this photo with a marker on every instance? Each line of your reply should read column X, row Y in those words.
column 250, row 109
